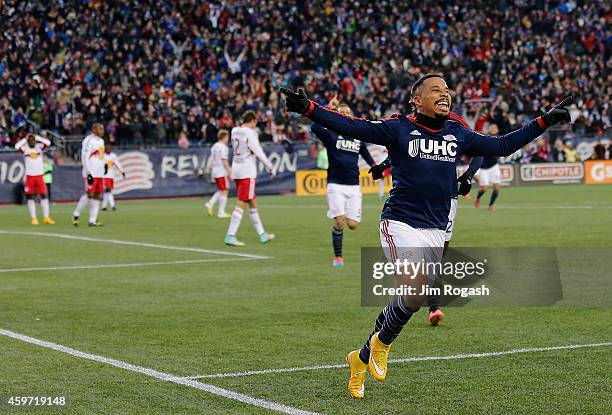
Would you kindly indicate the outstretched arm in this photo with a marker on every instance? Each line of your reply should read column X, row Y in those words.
column 378, row 132
column 475, row 164
column 504, row 145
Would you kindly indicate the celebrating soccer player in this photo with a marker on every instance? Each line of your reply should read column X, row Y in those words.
column 423, row 149
column 246, row 151
column 112, row 163
column 343, row 190
column 221, row 172
column 435, row 314
column 32, row 147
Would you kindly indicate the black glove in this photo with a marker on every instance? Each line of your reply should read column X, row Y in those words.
column 465, row 184
column 105, row 168
column 296, row 101
column 377, row 171
column 558, row 113
column 123, row 174
column 89, row 179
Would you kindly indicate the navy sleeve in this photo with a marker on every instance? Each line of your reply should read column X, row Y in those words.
column 321, row 133
column 503, row 145
column 365, row 153
column 474, row 166
column 377, row 132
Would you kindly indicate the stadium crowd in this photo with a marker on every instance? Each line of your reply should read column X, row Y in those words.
column 174, row 72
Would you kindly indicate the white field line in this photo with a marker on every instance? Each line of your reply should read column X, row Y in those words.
column 129, row 265
column 161, row 376
column 406, row 360
column 543, row 207
column 131, row 243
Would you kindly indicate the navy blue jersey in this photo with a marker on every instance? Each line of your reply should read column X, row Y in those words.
column 488, row 162
column 423, row 161
column 343, row 156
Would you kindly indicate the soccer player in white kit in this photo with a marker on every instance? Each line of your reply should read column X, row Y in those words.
column 246, row 151
column 93, row 139
column 32, row 147
column 221, row 172
column 112, row 162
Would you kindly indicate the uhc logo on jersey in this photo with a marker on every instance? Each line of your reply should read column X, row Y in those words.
column 440, row 150
column 348, row 145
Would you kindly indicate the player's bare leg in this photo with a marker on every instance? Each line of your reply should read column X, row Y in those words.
column 494, row 197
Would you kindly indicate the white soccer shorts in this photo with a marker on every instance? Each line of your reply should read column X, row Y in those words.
column 344, row 200
column 452, row 213
column 487, row 177
column 401, row 241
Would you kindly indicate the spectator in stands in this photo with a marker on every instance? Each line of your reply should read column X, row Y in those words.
column 570, row 154
column 148, row 62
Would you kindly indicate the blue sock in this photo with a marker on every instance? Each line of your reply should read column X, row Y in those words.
column 364, row 353
column 493, row 198
column 396, row 317
column 337, row 241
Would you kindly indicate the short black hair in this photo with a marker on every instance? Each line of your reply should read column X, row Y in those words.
column 249, row 116
column 421, row 80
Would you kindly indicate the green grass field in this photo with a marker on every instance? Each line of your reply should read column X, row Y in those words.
column 200, row 313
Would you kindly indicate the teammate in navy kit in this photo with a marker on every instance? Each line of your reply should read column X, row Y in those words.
column 423, row 149
column 489, row 175
column 343, row 190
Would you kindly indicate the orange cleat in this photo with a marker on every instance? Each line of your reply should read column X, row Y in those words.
column 436, row 317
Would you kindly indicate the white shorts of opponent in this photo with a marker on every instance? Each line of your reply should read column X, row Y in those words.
column 487, row 177
column 344, row 200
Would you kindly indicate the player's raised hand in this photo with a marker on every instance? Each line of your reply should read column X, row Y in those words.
column 296, row 101
column 377, row 171
column 559, row 112
column 465, row 184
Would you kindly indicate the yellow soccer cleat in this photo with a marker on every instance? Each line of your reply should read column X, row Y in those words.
column 209, row 209
column 356, row 383
column 224, row 216
column 379, row 355
column 34, row 221
column 48, row 221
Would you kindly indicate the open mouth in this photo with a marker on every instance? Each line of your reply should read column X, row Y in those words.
column 443, row 105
